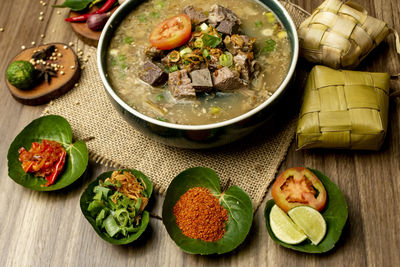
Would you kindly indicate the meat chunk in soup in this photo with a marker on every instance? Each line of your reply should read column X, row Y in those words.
column 180, row 84
column 153, row 53
column 219, row 13
column 226, row 79
column 228, row 27
column 242, row 65
column 153, row 74
column 195, row 15
column 201, row 80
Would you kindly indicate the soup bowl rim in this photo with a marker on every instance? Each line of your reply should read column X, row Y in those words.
column 103, row 75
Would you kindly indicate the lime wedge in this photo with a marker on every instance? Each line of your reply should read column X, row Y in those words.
column 283, row 227
column 310, row 221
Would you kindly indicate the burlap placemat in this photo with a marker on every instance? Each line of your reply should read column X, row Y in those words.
column 249, row 164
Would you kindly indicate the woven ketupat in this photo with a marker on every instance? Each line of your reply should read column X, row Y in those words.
column 344, row 109
column 340, row 35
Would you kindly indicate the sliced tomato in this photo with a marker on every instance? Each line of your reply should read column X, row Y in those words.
column 172, row 32
column 298, row 186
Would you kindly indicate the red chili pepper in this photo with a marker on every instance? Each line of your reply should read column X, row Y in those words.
column 57, row 169
column 102, row 10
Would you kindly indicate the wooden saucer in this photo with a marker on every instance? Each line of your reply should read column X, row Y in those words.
column 82, row 31
column 44, row 92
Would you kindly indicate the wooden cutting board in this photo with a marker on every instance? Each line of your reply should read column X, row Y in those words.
column 44, row 92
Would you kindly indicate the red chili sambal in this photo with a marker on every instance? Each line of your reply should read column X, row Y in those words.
column 43, row 160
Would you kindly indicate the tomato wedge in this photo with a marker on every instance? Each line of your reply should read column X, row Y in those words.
column 172, row 32
column 298, row 186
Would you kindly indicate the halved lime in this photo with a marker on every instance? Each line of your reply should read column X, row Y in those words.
column 284, row 228
column 310, row 221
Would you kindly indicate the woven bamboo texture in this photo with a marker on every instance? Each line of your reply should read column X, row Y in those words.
column 340, row 35
column 344, row 109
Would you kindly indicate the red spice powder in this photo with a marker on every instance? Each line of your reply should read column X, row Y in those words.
column 200, row 216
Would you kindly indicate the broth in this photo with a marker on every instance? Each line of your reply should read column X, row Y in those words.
column 126, row 57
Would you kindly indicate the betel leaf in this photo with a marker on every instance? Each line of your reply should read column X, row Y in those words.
column 55, row 128
column 87, row 198
column 335, row 214
column 75, row 5
column 234, row 200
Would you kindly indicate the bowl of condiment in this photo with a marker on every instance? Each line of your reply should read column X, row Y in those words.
column 198, row 75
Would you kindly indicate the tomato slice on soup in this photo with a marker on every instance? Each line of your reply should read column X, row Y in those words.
column 171, row 33
column 298, row 186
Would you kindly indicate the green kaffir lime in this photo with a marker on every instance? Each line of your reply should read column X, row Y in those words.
column 21, row 74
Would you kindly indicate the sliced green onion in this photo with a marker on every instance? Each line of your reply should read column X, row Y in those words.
column 111, row 226
column 138, row 204
column 159, row 4
column 102, row 189
column 95, row 206
column 121, row 216
column 122, row 58
column 172, row 68
column 206, row 54
column 198, row 43
column 226, row 59
column 270, row 45
column 185, row 51
column 204, row 27
column 100, row 217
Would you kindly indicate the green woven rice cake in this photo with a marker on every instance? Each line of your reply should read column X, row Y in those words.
column 340, row 35
column 344, row 109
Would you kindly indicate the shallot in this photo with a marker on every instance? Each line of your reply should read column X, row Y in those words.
column 96, row 22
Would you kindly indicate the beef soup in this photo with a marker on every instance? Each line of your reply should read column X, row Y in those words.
column 237, row 55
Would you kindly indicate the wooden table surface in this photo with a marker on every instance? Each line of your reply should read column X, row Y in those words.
column 48, row 229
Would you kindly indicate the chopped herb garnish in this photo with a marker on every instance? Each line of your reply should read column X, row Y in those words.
column 122, row 58
column 142, row 18
column 159, row 97
column 172, row 68
column 162, row 119
column 270, row 45
column 124, row 65
column 211, row 40
column 155, row 15
column 159, row 4
column 258, row 24
column 128, row 40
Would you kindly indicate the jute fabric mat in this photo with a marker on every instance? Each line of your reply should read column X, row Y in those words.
column 252, row 165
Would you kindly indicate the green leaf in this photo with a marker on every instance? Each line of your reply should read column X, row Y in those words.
column 51, row 127
column 75, row 5
column 211, row 40
column 234, row 200
column 335, row 214
column 87, row 197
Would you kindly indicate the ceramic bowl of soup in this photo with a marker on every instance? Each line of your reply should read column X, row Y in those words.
column 212, row 118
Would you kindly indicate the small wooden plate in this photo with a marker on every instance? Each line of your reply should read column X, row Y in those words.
column 82, row 31
column 44, row 92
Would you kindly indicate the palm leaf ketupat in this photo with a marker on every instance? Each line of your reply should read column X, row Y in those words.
column 344, row 109
column 340, row 35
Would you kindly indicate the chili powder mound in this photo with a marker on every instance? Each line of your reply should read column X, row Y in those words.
column 200, row 216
